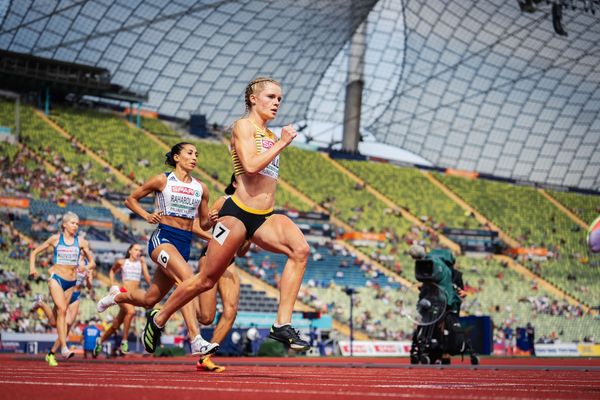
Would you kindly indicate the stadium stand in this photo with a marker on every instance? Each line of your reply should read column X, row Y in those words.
column 58, row 151
column 530, row 218
column 585, row 206
column 379, row 299
column 407, row 188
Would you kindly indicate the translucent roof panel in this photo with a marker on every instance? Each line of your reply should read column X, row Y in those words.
column 474, row 85
column 486, row 87
column 382, row 68
column 192, row 56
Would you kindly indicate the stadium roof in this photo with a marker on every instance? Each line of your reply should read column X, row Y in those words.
column 474, row 85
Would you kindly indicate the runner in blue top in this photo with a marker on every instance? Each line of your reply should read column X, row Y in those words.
column 84, row 279
column 67, row 250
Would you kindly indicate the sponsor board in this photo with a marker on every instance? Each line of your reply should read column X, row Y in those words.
column 588, row 349
column 556, row 350
column 375, row 348
column 14, row 202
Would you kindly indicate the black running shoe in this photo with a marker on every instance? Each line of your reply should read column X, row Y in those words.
column 290, row 337
column 151, row 333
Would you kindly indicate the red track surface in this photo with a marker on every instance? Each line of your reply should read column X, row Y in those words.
column 298, row 378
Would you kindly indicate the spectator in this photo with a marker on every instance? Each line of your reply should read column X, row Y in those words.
column 91, row 333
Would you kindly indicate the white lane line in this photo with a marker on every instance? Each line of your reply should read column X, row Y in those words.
column 341, row 392
column 321, row 380
column 218, row 389
column 449, row 375
column 521, row 387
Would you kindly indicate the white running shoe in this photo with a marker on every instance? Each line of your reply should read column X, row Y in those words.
column 108, row 300
column 66, row 353
column 202, row 347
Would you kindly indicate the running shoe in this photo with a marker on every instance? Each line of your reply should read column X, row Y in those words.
column 98, row 349
column 124, row 347
column 202, row 347
column 290, row 337
column 108, row 300
column 51, row 360
column 152, row 333
column 206, row 364
column 67, row 353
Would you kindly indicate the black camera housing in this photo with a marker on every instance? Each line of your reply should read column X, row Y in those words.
column 424, row 270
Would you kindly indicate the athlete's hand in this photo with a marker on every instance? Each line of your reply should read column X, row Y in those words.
column 288, row 133
column 154, row 218
column 213, row 217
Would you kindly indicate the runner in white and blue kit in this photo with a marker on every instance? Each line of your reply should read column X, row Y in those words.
column 132, row 268
column 68, row 248
column 84, row 278
column 180, row 200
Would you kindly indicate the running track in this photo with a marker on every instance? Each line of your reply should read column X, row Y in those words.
column 132, row 378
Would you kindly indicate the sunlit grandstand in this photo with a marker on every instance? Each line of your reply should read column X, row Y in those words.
column 499, row 110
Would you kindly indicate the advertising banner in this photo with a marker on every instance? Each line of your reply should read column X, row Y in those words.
column 14, row 202
column 362, row 348
column 556, row 350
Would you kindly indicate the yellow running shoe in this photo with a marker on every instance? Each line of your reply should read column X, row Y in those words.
column 51, row 360
column 206, row 364
column 124, row 347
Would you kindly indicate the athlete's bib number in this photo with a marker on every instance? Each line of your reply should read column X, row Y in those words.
column 163, row 258
column 220, row 233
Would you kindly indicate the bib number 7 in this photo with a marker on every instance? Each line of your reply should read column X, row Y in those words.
column 220, row 233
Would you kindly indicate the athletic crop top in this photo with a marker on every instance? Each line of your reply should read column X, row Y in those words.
column 179, row 199
column 131, row 270
column 67, row 254
column 264, row 140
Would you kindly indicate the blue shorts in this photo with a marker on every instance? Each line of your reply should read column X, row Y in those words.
column 64, row 284
column 75, row 297
column 177, row 237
